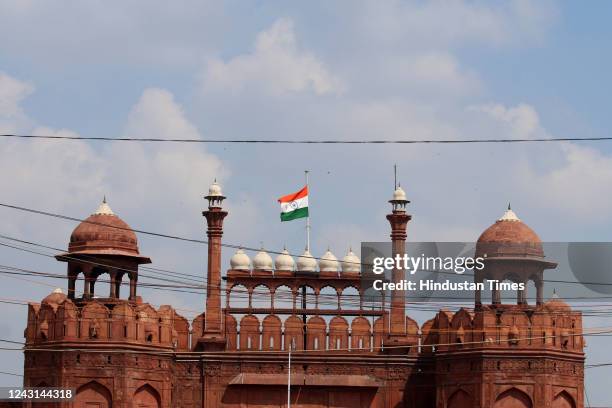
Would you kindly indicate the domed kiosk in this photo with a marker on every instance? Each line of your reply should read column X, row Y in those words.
column 103, row 244
column 511, row 251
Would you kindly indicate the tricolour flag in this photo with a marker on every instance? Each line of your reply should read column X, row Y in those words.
column 294, row 205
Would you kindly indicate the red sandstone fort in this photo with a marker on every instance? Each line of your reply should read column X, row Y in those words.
column 119, row 351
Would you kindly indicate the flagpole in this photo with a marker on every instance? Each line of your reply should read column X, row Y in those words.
column 289, row 377
column 307, row 218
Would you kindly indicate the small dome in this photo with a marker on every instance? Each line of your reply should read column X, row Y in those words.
column 240, row 261
column 351, row 262
column 509, row 237
column 328, row 262
column 55, row 298
column 215, row 189
column 306, row 262
column 262, row 261
column 104, row 233
column 284, row 262
column 557, row 304
column 399, row 194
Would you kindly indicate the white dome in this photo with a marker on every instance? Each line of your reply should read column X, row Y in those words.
column 215, row 189
column 284, row 262
column 399, row 194
column 262, row 261
column 329, row 262
column 240, row 261
column 306, row 262
column 351, row 263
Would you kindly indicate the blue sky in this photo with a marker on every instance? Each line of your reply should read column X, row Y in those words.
column 352, row 69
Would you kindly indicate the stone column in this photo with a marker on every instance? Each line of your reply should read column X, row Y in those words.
column 539, row 284
column 399, row 222
column 133, row 283
column 214, row 218
column 87, row 282
column 113, row 284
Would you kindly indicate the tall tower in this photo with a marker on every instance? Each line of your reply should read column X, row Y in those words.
column 399, row 221
column 213, row 338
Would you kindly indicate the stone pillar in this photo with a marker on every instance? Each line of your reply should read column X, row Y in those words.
column 118, row 280
column 521, row 295
column 213, row 335
column 495, row 296
column 478, row 279
column 133, row 284
column 539, row 284
column 87, row 282
column 399, row 222
column 73, row 273
column 113, row 284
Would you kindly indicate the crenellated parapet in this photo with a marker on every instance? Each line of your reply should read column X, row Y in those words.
column 58, row 321
column 511, row 327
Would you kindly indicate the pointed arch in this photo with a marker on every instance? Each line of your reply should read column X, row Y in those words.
column 513, row 398
column 360, row 334
column 350, row 299
column 294, row 333
column 249, row 333
column 315, row 333
column 147, row 397
column 261, row 297
column 93, row 394
column 460, row 399
column 563, row 400
column 338, row 334
column 271, row 333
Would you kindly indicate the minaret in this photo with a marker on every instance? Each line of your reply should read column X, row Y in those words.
column 399, row 221
column 213, row 338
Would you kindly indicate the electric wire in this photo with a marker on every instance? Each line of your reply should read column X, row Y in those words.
column 309, row 141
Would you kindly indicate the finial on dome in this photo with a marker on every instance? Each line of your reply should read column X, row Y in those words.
column 509, row 215
column 509, row 207
column 104, row 208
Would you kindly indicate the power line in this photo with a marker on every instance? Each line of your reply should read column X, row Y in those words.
column 599, row 330
column 9, row 373
column 227, row 245
column 155, row 234
column 310, row 141
column 204, row 280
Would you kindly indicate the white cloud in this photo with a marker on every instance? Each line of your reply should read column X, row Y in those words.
column 522, row 120
column 430, row 74
column 578, row 186
column 446, row 23
column 275, row 65
column 12, row 93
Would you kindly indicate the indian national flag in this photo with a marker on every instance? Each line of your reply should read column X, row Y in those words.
column 294, row 205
